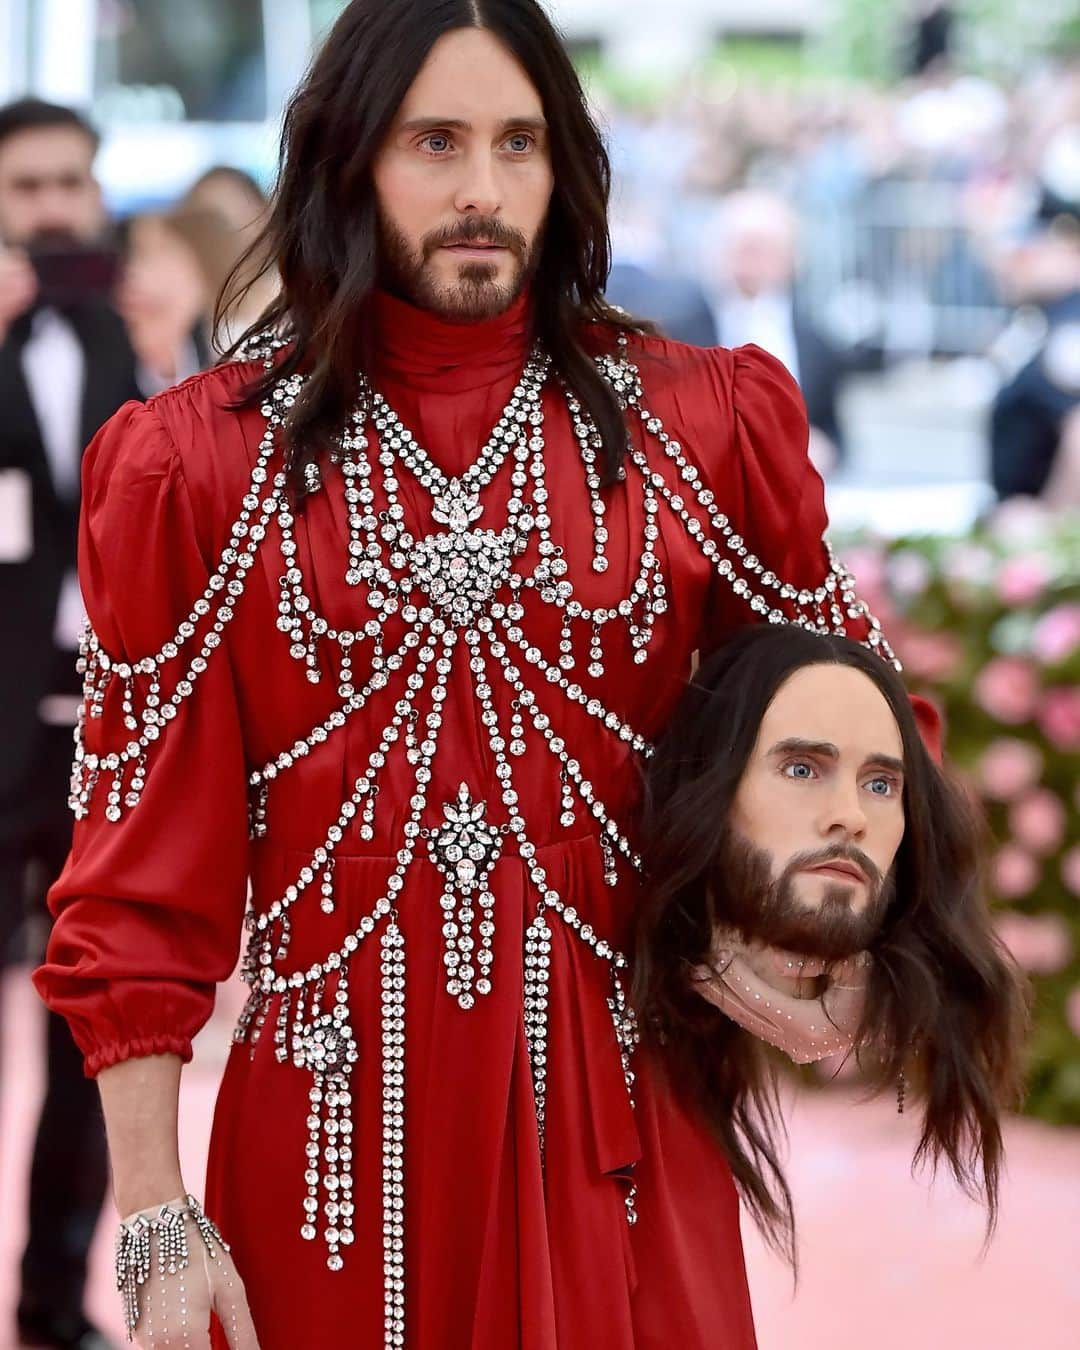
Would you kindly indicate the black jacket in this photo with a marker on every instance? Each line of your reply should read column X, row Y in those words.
column 1028, row 413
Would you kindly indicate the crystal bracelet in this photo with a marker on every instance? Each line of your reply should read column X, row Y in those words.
column 168, row 1223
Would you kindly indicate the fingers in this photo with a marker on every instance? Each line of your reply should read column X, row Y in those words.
column 175, row 1313
column 230, row 1303
column 18, row 285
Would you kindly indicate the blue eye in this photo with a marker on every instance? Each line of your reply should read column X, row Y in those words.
column 799, row 764
column 890, row 786
column 524, row 148
column 437, row 136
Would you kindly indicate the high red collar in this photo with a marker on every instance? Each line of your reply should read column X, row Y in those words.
column 424, row 350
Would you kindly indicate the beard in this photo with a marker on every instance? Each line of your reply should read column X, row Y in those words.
column 476, row 293
column 766, row 908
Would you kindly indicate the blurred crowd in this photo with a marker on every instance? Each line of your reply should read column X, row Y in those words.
column 852, row 227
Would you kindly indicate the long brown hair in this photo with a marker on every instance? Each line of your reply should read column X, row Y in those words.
column 322, row 233
column 946, row 1004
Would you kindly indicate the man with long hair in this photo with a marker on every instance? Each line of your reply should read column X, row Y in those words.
column 792, row 805
column 384, row 612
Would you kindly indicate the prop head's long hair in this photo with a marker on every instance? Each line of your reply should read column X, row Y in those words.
column 946, row 1003
column 322, row 234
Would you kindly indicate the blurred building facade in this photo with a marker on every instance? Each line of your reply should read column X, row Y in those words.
column 206, row 81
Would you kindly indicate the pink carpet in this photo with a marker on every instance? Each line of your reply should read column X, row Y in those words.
column 887, row 1261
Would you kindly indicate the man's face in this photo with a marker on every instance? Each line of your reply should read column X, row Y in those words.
column 47, row 187
column 464, row 180
column 761, row 258
column 818, row 815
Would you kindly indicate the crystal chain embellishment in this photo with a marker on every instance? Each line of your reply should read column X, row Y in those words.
column 392, row 971
column 465, row 849
column 211, row 612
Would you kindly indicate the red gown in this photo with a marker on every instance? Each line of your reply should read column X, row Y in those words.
column 500, row 1251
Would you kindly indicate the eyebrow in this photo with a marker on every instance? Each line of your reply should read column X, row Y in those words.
column 829, row 751
column 459, row 124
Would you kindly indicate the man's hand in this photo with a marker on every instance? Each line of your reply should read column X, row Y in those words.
column 756, row 987
column 18, row 287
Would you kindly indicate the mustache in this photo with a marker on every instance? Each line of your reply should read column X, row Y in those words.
column 472, row 228
column 54, row 240
column 835, row 853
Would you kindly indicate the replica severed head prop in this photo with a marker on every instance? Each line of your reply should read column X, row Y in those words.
column 793, row 799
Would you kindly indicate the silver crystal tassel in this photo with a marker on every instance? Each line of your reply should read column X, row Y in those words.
column 168, row 1227
column 536, row 988
column 627, row 1036
column 326, row 1045
column 392, row 970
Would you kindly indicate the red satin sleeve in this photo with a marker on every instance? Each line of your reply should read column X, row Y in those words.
column 778, row 498
column 149, row 909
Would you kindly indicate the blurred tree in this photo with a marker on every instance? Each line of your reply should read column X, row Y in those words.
column 875, row 39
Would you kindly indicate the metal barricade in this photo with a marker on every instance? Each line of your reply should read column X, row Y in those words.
column 898, row 267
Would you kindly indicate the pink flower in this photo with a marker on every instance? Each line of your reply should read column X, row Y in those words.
column 1070, row 869
column 1020, row 522
column 1072, row 1010
column 866, row 562
column 1007, row 689
column 867, row 566
column 1059, row 717
column 1014, row 872
column 1038, row 821
column 970, row 563
column 1022, row 579
column 1039, row 942
column 1057, row 634
column 930, row 656
column 909, row 573
column 1009, row 767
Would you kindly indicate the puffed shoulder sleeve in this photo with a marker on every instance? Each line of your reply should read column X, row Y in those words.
column 149, row 906
column 774, row 561
column 777, row 561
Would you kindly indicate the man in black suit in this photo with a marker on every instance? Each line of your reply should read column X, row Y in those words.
column 1035, row 419
column 65, row 366
column 751, row 283
column 677, row 305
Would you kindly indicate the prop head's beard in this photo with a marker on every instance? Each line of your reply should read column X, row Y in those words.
column 767, row 908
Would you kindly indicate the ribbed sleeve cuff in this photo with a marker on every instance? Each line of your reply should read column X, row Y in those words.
column 137, row 1047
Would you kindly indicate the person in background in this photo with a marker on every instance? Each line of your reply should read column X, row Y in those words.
column 237, row 200
column 234, row 195
column 750, row 279
column 1035, row 420
column 65, row 366
column 166, row 299
column 636, row 284
column 931, row 35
